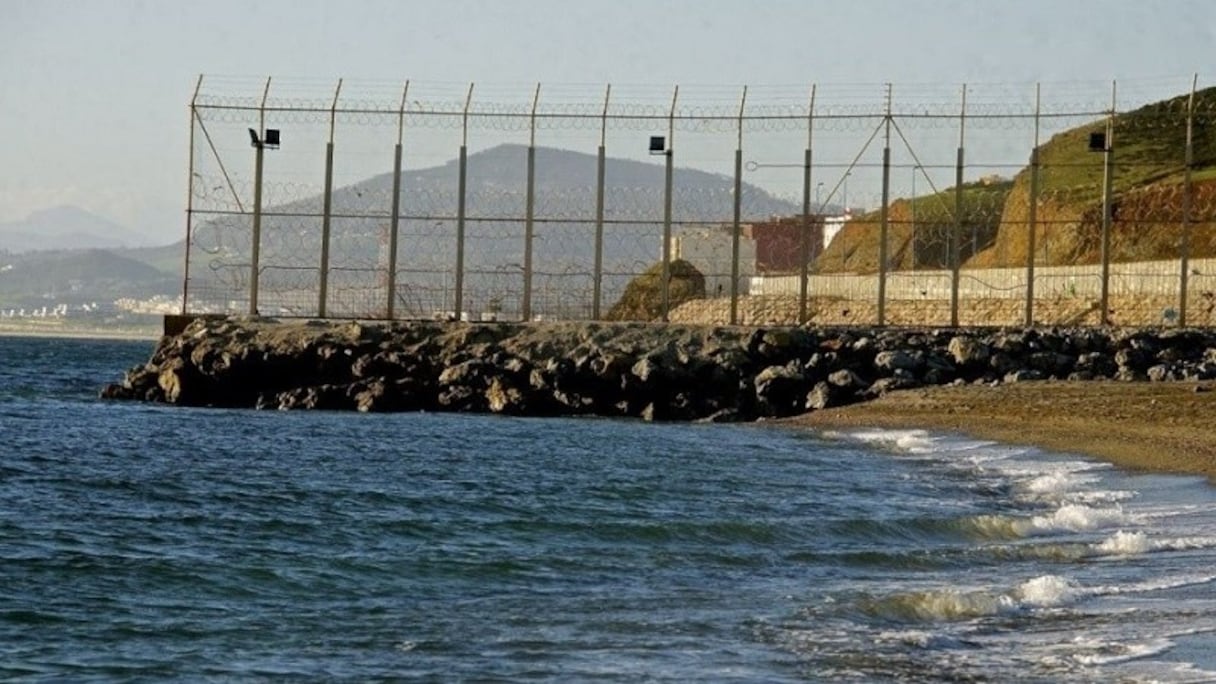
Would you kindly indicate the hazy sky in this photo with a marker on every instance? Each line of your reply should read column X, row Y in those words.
column 93, row 110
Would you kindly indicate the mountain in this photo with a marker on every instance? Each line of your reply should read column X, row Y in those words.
column 563, row 245
column 78, row 275
column 66, row 263
column 564, row 205
column 65, row 227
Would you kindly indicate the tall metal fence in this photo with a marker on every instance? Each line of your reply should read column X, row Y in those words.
column 536, row 201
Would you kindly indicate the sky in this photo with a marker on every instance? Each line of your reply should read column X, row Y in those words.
column 93, row 106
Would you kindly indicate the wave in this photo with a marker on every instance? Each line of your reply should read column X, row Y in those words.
column 952, row 604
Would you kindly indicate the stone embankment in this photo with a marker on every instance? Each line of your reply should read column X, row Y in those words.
column 655, row 372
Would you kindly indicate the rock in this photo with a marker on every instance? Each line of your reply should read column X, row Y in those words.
column 1163, row 372
column 180, row 383
column 781, row 390
column 883, row 385
column 890, row 361
column 657, row 372
column 1096, row 364
column 968, row 351
column 504, row 397
column 1004, row 363
column 1133, row 359
column 1052, row 363
column 1024, row 375
column 726, row 415
column 846, row 379
column 823, row 395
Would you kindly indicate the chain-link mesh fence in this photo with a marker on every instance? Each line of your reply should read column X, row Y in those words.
column 1075, row 203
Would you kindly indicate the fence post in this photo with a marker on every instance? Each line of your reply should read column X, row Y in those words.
column 190, row 198
column 1187, row 190
column 327, row 207
column 598, row 277
column 805, row 243
column 956, row 255
column 734, row 243
column 396, row 220
column 460, row 205
column 529, row 209
column 1107, row 182
column 885, row 217
column 665, row 285
column 1032, row 212
column 256, row 249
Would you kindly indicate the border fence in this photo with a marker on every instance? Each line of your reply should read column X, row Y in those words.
column 930, row 204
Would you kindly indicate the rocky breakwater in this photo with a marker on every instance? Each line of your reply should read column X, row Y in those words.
column 654, row 372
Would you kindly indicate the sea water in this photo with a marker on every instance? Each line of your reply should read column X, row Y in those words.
column 151, row 542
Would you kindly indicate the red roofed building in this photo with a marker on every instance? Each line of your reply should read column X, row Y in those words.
column 779, row 242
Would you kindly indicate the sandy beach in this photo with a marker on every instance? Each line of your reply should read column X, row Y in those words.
column 1159, row 427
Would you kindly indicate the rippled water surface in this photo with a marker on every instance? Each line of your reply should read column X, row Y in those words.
column 141, row 541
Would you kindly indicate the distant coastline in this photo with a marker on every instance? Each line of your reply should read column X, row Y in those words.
column 150, row 333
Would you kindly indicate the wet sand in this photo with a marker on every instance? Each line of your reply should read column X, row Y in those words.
column 1157, row 427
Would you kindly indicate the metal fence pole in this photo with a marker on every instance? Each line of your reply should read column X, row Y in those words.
column 1032, row 219
column 734, row 246
column 256, row 248
column 1107, row 182
column 460, row 206
column 598, row 276
column 327, row 207
column 885, row 216
column 189, row 199
column 665, row 285
column 956, row 256
column 805, row 243
column 395, row 224
column 1187, row 190
column 529, row 209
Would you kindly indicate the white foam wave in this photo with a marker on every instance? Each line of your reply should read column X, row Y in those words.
column 1124, row 543
column 1078, row 518
column 908, row 441
column 951, row 604
column 1109, row 653
column 1162, row 583
column 1047, row 591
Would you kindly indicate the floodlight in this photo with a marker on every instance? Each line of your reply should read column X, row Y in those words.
column 1097, row 142
column 658, row 144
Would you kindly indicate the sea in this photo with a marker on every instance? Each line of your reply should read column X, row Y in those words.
column 144, row 542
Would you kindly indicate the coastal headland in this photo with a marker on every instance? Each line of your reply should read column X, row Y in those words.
column 1000, row 383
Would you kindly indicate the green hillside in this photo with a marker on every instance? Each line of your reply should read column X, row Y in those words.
column 919, row 229
column 1149, row 163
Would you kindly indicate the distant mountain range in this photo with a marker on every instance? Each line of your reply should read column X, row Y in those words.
column 496, row 199
column 86, row 255
column 66, row 227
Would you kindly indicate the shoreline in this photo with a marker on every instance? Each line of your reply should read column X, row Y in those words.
column 1146, row 427
column 81, row 333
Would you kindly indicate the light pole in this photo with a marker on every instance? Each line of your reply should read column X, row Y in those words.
column 915, row 169
column 844, row 199
column 818, row 206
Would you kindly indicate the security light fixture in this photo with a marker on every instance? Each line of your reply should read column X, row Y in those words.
column 1097, row 142
column 270, row 142
column 658, row 144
